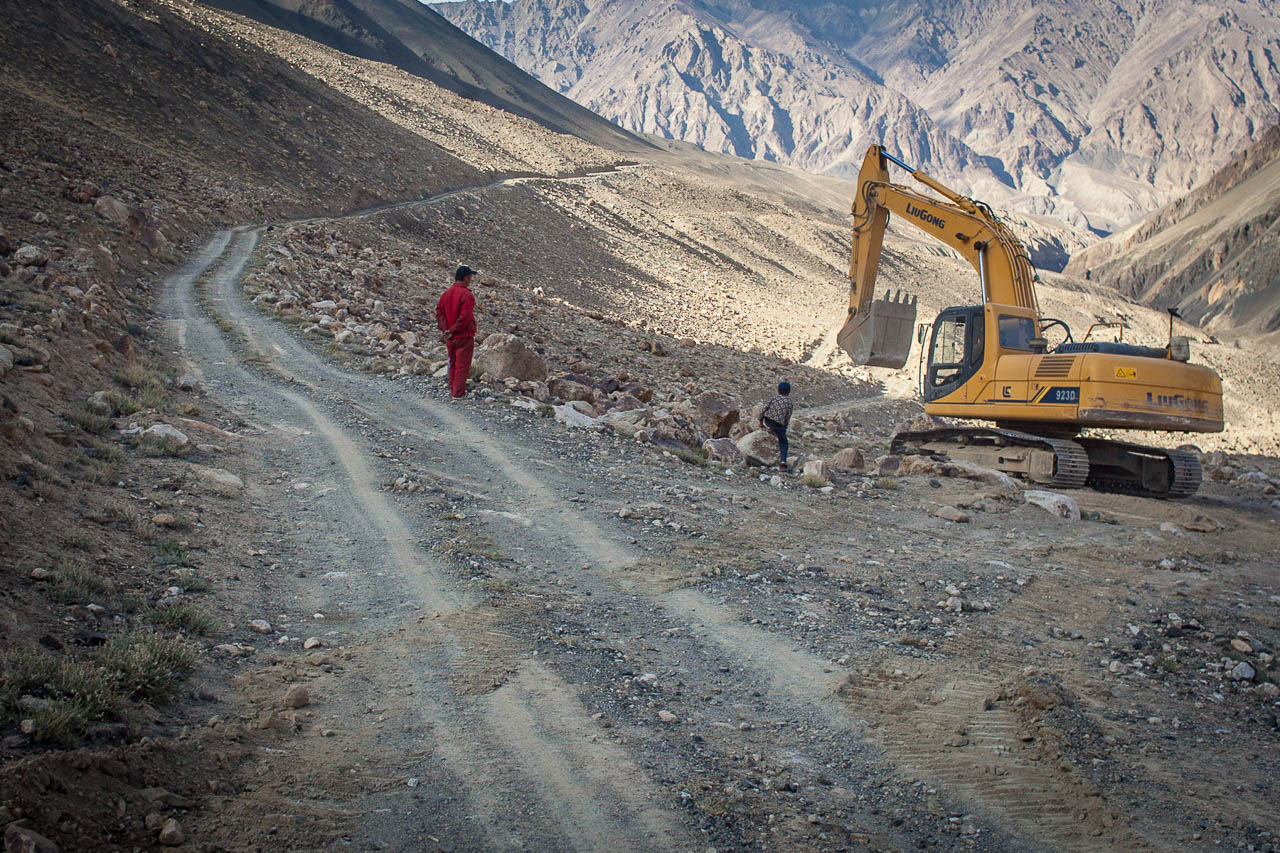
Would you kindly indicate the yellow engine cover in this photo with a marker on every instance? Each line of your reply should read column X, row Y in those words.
column 1089, row 389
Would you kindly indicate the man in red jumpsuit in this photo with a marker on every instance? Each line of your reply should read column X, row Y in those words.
column 455, row 315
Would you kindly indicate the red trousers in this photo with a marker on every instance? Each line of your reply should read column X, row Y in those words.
column 460, row 351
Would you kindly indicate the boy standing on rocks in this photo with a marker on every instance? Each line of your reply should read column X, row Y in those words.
column 775, row 418
column 455, row 315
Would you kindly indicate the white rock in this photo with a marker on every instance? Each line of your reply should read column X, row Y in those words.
column 571, row 417
column 163, row 431
column 816, row 468
column 260, row 626
column 219, row 477
column 32, row 256
column 1060, row 505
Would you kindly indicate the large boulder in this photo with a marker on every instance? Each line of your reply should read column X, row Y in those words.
column 722, row 450
column 759, row 447
column 114, row 211
column 569, row 389
column 569, row 416
column 675, row 426
column 848, row 459
column 626, row 422
column 927, row 466
column 1052, row 502
column 715, row 413
column 507, row 357
column 816, row 468
column 130, row 219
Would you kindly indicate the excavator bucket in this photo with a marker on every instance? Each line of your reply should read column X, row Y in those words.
column 881, row 335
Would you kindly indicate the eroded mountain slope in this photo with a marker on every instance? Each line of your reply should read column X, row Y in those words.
column 1094, row 112
column 1214, row 254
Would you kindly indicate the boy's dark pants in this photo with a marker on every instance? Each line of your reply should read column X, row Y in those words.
column 781, row 432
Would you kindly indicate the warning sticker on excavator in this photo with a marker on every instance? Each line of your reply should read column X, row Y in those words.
column 1126, row 373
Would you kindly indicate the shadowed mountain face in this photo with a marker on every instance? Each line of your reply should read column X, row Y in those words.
column 1095, row 112
column 1212, row 254
column 409, row 35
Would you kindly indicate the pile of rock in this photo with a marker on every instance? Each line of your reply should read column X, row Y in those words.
column 1221, row 468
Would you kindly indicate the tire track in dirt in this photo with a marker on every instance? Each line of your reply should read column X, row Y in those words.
column 806, row 682
column 481, row 752
column 958, row 727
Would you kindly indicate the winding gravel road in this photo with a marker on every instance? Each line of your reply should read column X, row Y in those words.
column 502, row 618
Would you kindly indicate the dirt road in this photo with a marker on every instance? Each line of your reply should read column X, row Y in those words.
column 510, row 663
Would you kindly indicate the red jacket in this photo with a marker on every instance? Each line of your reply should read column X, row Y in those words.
column 455, row 312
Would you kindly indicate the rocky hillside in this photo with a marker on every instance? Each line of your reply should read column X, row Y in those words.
column 405, row 34
column 1095, row 113
column 1212, row 254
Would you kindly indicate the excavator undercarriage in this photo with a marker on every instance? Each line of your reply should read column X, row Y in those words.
column 1062, row 463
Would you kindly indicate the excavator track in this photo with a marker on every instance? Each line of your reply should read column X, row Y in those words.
column 1183, row 474
column 1071, row 461
column 1100, row 464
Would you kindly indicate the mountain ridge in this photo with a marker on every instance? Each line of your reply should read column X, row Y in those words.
column 1210, row 254
column 1037, row 115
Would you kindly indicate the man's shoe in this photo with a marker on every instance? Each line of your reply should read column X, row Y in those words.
column 782, row 466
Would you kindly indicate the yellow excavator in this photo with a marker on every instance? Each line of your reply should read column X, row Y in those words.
column 992, row 362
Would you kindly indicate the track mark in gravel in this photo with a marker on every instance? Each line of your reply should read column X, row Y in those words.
column 427, row 580
column 534, row 714
column 487, row 655
column 802, row 677
column 521, row 754
column 952, row 726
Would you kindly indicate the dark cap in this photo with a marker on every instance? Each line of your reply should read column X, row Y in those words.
column 463, row 272
column 784, row 387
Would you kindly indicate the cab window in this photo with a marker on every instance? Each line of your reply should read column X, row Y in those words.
column 948, row 355
column 1016, row 332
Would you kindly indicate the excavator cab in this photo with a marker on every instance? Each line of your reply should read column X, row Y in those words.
column 955, row 350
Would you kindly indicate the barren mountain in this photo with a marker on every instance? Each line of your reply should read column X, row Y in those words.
column 1093, row 112
column 406, row 34
column 1213, row 254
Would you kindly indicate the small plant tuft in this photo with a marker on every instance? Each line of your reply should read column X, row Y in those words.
column 149, row 665
column 814, row 481
column 690, row 456
column 183, row 616
column 88, row 420
column 75, row 584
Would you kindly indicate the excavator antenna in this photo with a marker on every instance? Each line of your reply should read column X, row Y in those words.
column 880, row 335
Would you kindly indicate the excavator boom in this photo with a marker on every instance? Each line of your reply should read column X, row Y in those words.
column 879, row 332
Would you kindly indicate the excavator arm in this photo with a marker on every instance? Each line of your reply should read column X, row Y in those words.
column 878, row 332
